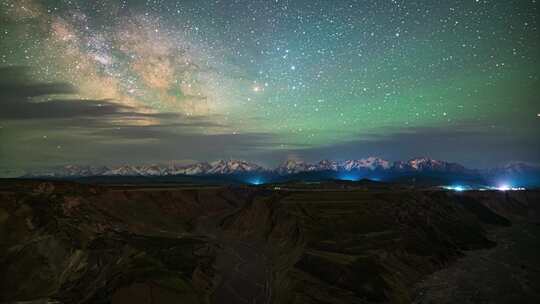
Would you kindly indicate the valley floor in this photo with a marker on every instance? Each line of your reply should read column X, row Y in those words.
column 507, row 273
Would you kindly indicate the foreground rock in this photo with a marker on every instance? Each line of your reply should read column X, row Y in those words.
column 71, row 243
column 508, row 273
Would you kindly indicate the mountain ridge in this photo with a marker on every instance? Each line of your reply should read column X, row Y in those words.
column 371, row 165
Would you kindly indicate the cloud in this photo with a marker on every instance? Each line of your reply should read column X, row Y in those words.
column 472, row 144
column 61, row 128
column 126, row 145
column 22, row 98
column 16, row 84
column 46, row 124
column 57, row 109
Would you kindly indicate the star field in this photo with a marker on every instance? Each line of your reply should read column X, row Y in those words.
column 309, row 74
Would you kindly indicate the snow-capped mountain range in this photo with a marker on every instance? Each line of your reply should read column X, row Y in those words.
column 232, row 167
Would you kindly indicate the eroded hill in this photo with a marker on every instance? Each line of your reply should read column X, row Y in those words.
column 75, row 243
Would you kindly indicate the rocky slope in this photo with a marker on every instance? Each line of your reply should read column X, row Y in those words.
column 73, row 243
column 508, row 273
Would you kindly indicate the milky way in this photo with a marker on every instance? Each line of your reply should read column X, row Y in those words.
column 295, row 78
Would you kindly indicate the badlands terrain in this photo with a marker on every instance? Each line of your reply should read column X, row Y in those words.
column 328, row 242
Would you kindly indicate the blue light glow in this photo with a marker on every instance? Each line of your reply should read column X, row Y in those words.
column 501, row 187
column 458, row 188
column 255, row 181
column 504, row 187
column 508, row 187
column 349, row 177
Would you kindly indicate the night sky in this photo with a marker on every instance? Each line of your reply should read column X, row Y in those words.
column 112, row 82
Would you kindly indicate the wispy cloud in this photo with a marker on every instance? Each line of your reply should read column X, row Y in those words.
column 46, row 124
column 473, row 144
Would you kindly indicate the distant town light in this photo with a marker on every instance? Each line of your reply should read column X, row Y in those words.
column 504, row 187
column 349, row 177
column 458, row 188
column 256, row 181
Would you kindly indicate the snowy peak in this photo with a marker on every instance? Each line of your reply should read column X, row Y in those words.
column 370, row 163
column 328, row 165
column 75, row 170
column 194, row 169
column 124, row 170
column 218, row 167
column 293, row 167
column 203, row 168
column 152, row 170
column 233, row 167
column 427, row 164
